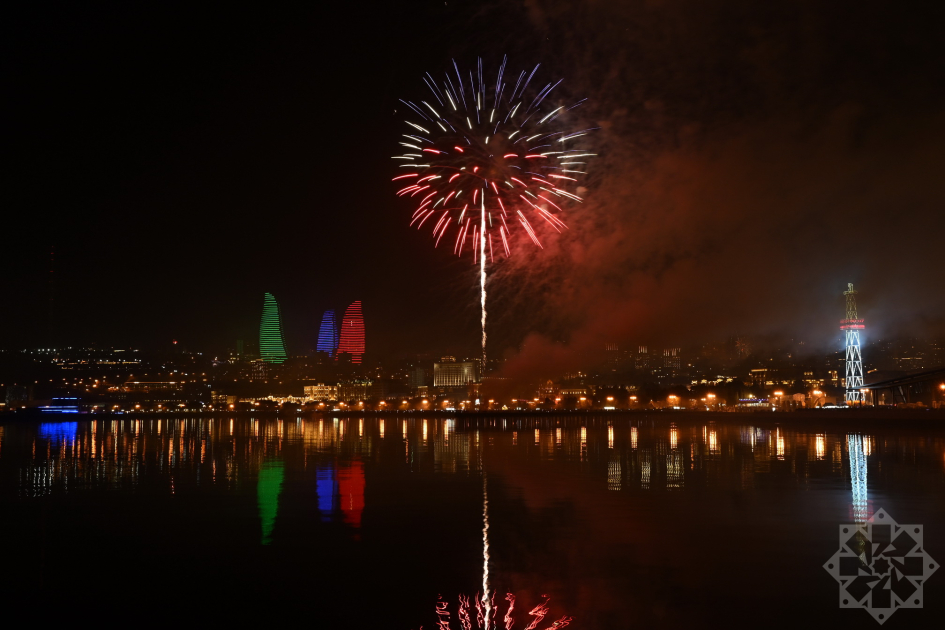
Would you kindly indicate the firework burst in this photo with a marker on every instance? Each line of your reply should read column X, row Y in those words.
column 488, row 160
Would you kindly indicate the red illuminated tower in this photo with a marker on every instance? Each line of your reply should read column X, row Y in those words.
column 352, row 333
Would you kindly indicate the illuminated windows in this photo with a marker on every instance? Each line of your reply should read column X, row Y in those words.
column 352, row 333
column 271, row 339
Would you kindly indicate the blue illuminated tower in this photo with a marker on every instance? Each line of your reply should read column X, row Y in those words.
column 271, row 339
column 854, row 357
column 328, row 334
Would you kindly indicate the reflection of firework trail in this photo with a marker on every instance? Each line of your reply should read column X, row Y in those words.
column 508, row 613
column 486, row 600
column 539, row 612
column 443, row 614
column 464, row 612
column 483, row 622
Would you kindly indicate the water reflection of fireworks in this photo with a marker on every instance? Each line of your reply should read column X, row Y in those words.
column 480, row 614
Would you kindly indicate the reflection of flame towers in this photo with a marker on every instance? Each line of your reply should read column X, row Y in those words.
column 328, row 334
column 271, row 340
column 857, row 454
column 352, row 333
column 268, row 489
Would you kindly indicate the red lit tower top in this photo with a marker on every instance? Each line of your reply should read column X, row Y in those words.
column 352, row 333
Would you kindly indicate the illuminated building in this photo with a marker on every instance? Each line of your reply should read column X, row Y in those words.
column 352, row 333
column 672, row 358
column 854, row 358
column 271, row 339
column 328, row 334
column 613, row 355
column 417, row 378
column 321, row 392
column 354, row 390
column 450, row 373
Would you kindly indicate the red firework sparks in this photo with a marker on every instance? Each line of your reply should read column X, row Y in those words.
column 472, row 616
column 503, row 156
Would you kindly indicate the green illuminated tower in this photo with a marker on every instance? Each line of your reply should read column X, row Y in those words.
column 271, row 340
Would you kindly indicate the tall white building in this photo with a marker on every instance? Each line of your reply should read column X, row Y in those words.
column 452, row 373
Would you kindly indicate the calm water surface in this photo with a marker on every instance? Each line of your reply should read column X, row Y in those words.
column 615, row 521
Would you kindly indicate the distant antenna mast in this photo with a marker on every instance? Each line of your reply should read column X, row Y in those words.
column 51, row 318
column 852, row 326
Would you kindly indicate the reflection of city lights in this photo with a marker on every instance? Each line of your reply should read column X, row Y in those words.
column 558, row 435
column 713, row 441
column 633, row 438
column 583, row 436
column 536, row 436
column 673, row 436
column 610, row 436
column 779, row 442
column 380, row 427
column 614, row 475
column 820, row 446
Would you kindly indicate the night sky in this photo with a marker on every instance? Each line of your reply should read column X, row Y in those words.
column 755, row 157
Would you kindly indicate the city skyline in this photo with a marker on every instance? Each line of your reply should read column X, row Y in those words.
column 452, row 314
column 710, row 212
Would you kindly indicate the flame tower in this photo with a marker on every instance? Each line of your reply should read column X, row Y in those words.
column 854, row 363
column 352, row 333
column 328, row 334
column 271, row 339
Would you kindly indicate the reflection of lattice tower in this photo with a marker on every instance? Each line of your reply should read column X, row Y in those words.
column 854, row 363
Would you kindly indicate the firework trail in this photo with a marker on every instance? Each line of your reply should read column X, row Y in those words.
column 486, row 600
column 506, row 150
